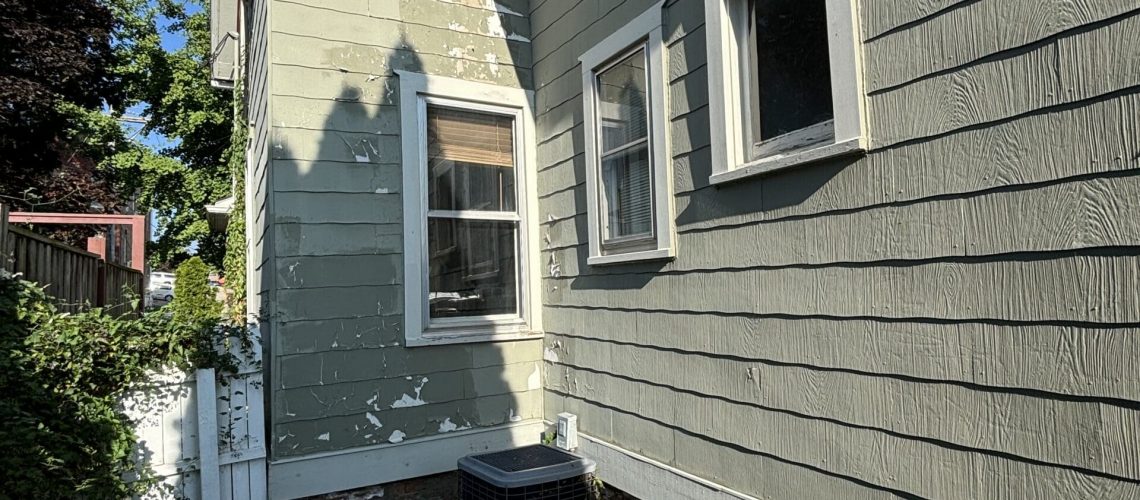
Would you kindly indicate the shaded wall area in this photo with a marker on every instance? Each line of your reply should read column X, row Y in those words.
column 341, row 378
column 951, row 315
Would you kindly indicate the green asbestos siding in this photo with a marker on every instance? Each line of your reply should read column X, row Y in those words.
column 952, row 315
column 258, row 227
column 341, row 378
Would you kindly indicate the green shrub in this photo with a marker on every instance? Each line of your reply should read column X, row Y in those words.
column 194, row 301
column 63, row 376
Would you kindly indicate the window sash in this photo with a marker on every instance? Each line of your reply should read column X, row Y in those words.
column 469, row 264
column 624, row 147
column 731, row 147
column 643, row 33
column 761, row 146
column 474, row 324
column 644, row 215
column 646, row 143
column 474, row 215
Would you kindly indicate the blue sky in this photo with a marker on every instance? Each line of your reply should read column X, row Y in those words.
column 170, row 42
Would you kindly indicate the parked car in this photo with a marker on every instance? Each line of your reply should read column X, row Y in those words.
column 161, row 293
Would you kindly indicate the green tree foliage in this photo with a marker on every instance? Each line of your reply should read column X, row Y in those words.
column 59, row 149
column 63, row 377
column 53, row 52
column 174, row 88
column 194, row 301
column 57, row 57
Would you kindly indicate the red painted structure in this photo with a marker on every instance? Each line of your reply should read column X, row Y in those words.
column 135, row 223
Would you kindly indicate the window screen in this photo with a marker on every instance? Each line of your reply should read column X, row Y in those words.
column 626, row 177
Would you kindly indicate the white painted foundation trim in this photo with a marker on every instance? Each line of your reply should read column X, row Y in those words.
column 789, row 160
column 358, row 467
column 644, row 477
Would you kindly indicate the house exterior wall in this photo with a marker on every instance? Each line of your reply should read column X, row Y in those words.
column 951, row 315
column 343, row 387
column 256, row 88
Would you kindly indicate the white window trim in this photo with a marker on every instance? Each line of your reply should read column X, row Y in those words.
column 645, row 28
column 730, row 149
column 416, row 91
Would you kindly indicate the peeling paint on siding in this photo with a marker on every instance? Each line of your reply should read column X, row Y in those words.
column 407, row 401
column 535, row 380
column 373, row 420
column 396, row 437
column 495, row 28
column 551, row 353
column 493, row 61
column 448, row 426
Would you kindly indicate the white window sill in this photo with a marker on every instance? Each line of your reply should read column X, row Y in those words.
column 602, row 260
column 470, row 336
column 789, row 160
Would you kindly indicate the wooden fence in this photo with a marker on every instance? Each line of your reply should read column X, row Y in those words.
column 75, row 278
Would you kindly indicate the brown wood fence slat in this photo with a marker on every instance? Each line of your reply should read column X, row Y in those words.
column 76, row 278
column 4, row 237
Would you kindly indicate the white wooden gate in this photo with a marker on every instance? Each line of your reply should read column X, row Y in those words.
column 203, row 438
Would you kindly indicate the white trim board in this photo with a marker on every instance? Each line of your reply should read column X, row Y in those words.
column 731, row 151
column 416, row 90
column 645, row 29
column 644, row 477
column 359, row 467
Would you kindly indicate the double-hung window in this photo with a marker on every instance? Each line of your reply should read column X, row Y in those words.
column 784, row 86
column 466, row 150
column 628, row 184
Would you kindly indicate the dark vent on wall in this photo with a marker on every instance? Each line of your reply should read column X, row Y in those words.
column 530, row 473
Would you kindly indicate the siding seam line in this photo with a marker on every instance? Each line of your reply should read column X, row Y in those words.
column 738, row 447
column 876, row 319
column 923, row 439
column 1011, row 52
column 1127, row 404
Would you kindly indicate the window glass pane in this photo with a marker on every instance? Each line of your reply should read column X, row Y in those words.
column 792, row 66
column 472, row 269
column 621, row 102
column 627, row 182
column 470, row 160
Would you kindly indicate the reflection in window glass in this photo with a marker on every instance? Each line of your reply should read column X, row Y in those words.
column 626, row 182
column 791, row 66
column 471, row 267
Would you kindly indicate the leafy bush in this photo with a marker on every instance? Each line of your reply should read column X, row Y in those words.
column 194, row 301
column 234, row 261
column 63, row 377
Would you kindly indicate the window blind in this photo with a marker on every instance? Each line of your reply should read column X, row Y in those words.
column 466, row 137
column 629, row 192
column 636, row 203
